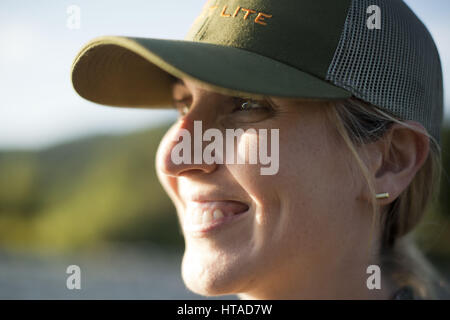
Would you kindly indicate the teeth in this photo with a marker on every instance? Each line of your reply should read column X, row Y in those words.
column 217, row 214
column 198, row 217
column 207, row 216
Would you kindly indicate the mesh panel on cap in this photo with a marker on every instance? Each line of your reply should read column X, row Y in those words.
column 396, row 67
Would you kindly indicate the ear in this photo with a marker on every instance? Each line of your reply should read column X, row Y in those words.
column 394, row 160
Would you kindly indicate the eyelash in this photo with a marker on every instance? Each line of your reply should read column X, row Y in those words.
column 237, row 102
column 240, row 102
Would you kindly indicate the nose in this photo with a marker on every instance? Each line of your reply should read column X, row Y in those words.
column 183, row 137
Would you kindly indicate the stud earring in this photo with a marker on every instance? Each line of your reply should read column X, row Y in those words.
column 382, row 195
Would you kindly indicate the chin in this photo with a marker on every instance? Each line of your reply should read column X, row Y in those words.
column 208, row 277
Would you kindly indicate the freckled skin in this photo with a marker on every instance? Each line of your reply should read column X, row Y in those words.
column 307, row 232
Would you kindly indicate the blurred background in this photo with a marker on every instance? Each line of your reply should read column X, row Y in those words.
column 77, row 180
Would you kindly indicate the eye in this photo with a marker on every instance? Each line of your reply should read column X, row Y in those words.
column 248, row 105
column 182, row 106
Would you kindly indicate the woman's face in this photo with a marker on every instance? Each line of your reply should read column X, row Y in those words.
column 275, row 234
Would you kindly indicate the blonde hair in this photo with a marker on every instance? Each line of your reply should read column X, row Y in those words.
column 359, row 123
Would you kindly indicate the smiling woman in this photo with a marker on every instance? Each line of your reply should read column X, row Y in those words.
column 357, row 138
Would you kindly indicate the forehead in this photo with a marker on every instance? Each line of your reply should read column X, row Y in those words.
column 180, row 84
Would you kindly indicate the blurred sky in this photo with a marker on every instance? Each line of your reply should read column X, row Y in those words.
column 38, row 106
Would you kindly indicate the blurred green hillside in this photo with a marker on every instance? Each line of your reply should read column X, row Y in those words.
column 103, row 189
column 85, row 192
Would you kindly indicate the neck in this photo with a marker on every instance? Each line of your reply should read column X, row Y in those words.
column 345, row 278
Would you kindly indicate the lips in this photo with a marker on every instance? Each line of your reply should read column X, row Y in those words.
column 203, row 215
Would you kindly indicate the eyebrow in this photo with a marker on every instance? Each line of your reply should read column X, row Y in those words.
column 179, row 81
column 175, row 83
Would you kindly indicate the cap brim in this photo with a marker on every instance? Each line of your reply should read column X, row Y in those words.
column 138, row 72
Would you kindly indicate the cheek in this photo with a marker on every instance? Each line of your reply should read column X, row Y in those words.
column 304, row 169
column 256, row 175
column 314, row 205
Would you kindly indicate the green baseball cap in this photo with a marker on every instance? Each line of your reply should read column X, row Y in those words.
column 321, row 49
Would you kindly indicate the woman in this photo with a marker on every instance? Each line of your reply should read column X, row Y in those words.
column 357, row 111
